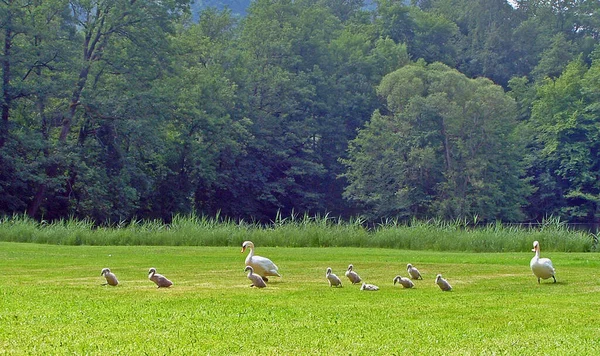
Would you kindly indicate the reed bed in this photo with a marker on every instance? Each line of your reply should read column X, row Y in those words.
column 303, row 231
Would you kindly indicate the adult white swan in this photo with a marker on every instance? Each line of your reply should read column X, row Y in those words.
column 541, row 267
column 261, row 265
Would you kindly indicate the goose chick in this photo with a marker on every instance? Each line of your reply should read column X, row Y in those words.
column 334, row 281
column 542, row 268
column 413, row 272
column 256, row 280
column 369, row 287
column 352, row 276
column 111, row 279
column 261, row 265
column 442, row 283
column 406, row 283
column 160, row 280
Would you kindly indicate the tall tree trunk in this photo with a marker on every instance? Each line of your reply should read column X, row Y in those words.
column 6, row 94
column 38, row 198
column 70, row 114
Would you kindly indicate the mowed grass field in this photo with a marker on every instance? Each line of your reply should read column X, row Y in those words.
column 52, row 303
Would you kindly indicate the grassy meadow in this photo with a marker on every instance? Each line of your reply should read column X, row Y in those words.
column 52, row 302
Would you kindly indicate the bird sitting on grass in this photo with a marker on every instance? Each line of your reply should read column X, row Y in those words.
column 256, row 280
column 369, row 287
column 111, row 279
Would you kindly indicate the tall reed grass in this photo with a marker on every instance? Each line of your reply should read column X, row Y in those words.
column 304, row 231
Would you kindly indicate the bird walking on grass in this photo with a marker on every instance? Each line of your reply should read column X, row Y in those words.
column 405, row 282
column 160, row 280
column 413, row 272
column 442, row 283
column 262, row 266
column 542, row 268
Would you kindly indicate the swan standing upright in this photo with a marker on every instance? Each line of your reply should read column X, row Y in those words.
column 353, row 276
column 541, row 267
column 261, row 265
column 111, row 279
column 413, row 272
column 334, row 280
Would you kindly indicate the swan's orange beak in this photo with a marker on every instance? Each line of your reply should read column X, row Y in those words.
column 243, row 248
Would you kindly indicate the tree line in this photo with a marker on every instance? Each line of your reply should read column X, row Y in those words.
column 122, row 109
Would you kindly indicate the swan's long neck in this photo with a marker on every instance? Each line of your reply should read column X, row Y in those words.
column 537, row 253
column 250, row 254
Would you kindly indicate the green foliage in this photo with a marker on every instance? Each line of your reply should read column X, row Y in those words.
column 447, row 148
column 53, row 302
column 564, row 123
column 112, row 110
column 303, row 231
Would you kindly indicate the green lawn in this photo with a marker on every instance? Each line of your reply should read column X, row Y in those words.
column 52, row 302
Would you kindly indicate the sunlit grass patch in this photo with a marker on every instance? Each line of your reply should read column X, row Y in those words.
column 53, row 303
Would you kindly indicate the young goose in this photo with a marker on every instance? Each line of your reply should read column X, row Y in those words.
column 406, row 283
column 413, row 272
column 352, row 276
column 541, row 267
column 262, row 266
column 111, row 279
column 369, row 287
column 442, row 283
column 160, row 280
column 334, row 281
column 256, row 280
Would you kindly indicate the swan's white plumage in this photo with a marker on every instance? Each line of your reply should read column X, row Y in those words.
column 369, row 287
column 352, row 276
column 160, row 280
column 442, row 283
column 262, row 266
column 542, row 268
column 334, row 281
column 405, row 282
column 256, row 280
column 413, row 272
column 110, row 277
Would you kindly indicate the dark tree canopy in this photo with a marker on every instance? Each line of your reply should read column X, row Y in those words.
column 118, row 110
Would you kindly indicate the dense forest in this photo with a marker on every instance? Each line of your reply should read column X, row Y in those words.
column 137, row 109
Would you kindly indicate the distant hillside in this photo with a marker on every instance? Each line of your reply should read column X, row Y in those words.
column 237, row 7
